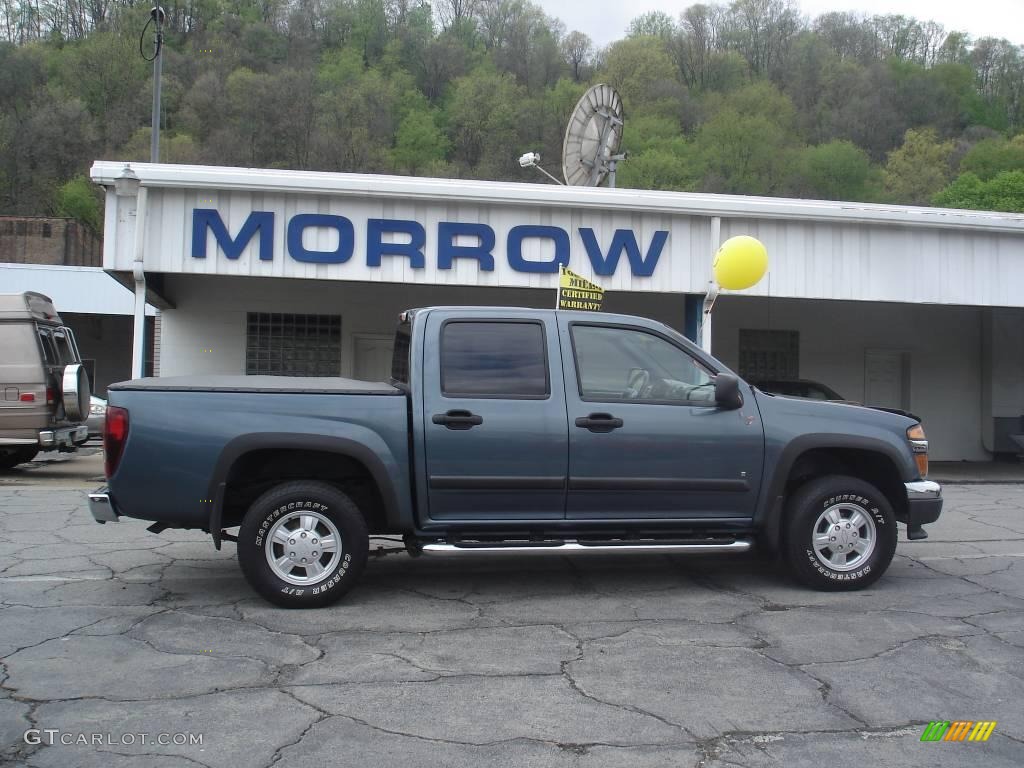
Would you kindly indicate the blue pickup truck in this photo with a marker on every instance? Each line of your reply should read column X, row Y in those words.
column 515, row 432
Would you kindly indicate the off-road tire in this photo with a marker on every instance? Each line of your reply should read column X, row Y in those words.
column 277, row 509
column 839, row 496
column 11, row 459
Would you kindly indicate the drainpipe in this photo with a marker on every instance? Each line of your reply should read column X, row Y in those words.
column 139, row 274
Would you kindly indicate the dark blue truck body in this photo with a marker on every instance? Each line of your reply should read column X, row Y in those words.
column 571, row 450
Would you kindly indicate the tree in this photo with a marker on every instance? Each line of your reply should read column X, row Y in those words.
column 637, row 67
column 577, row 48
column 652, row 24
column 484, row 118
column 762, row 31
column 989, row 157
column 746, row 146
column 660, row 157
column 79, row 199
column 838, row 170
column 418, row 142
column 919, row 168
column 695, row 43
column 1004, row 192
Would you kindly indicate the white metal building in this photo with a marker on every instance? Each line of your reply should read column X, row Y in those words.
column 265, row 271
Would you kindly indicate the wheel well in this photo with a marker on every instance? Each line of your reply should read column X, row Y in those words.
column 870, row 466
column 255, row 472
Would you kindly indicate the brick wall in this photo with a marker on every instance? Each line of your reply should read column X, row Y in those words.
column 42, row 240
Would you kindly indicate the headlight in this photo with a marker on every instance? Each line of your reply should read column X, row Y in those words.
column 97, row 410
column 919, row 445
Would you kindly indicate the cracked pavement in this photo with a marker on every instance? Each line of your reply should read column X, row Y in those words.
column 604, row 661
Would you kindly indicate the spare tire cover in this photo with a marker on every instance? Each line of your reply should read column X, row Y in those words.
column 75, row 392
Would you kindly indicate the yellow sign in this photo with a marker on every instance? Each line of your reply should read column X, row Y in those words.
column 575, row 292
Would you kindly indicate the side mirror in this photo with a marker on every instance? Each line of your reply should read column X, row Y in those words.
column 727, row 391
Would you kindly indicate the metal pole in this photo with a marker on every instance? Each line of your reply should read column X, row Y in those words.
column 154, row 146
column 139, row 275
column 709, row 300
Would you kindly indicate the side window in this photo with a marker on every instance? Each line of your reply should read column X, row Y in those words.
column 493, row 359
column 624, row 364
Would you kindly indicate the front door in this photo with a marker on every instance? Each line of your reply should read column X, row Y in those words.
column 494, row 421
column 646, row 437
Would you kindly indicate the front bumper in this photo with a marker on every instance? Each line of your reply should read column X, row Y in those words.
column 924, row 505
column 102, row 507
column 65, row 437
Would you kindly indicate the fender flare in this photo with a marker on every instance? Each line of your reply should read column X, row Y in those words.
column 772, row 505
column 257, row 441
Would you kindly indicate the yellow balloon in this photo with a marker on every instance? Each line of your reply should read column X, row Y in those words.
column 740, row 262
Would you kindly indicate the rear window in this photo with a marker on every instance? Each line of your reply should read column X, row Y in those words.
column 65, row 352
column 493, row 359
column 18, row 345
column 400, row 355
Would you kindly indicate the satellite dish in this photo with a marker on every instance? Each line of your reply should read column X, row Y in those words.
column 592, row 138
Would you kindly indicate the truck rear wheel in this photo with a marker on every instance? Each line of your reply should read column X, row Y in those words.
column 303, row 544
column 12, row 458
column 840, row 533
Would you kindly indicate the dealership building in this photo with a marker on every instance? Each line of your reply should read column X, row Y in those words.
column 301, row 273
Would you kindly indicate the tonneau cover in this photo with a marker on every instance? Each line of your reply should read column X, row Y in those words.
column 238, row 383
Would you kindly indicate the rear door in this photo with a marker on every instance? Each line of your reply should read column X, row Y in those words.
column 496, row 436
column 23, row 383
column 647, row 439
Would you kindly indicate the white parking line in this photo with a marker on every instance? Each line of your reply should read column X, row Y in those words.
column 54, row 578
column 970, row 557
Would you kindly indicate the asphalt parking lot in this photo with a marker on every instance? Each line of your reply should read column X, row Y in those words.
column 627, row 661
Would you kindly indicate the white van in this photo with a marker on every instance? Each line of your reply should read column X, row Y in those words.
column 44, row 389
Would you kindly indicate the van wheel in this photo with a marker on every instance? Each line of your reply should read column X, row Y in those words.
column 11, row 459
column 303, row 544
column 840, row 533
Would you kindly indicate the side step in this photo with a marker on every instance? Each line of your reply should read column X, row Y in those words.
column 576, row 548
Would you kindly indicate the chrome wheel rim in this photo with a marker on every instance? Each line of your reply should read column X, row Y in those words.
column 844, row 536
column 303, row 548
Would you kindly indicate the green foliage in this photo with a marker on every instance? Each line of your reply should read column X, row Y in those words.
column 652, row 24
column 989, row 157
column 838, row 170
column 639, row 67
column 919, row 168
column 483, row 116
column 79, row 199
column 741, row 96
column 419, row 143
column 1003, row 192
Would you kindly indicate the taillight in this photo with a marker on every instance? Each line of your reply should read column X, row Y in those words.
column 115, row 434
column 27, row 397
column 50, row 396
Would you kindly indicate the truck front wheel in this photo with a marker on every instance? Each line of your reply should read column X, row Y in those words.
column 303, row 544
column 840, row 533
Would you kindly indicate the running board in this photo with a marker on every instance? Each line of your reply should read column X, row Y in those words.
column 575, row 548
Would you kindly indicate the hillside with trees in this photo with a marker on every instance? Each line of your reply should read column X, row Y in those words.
column 748, row 97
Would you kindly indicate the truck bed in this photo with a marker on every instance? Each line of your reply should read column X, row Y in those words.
column 327, row 385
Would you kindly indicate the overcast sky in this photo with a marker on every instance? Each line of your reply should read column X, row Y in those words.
column 606, row 21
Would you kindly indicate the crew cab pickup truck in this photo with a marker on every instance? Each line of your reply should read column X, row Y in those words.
column 515, row 432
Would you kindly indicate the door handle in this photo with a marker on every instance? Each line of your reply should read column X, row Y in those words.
column 457, row 419
column 599, row 422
